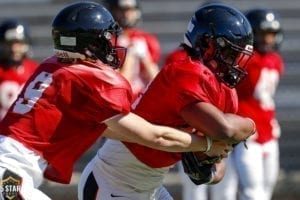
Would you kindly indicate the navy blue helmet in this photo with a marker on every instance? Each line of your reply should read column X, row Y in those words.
column 265, row 20
column 88, row 28
column 221, row 36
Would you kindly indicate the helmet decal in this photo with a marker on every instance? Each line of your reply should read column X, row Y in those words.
column 190, row 26
column 15, row 34
column 68, row 41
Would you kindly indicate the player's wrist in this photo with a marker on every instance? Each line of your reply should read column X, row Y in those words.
column 209, row 142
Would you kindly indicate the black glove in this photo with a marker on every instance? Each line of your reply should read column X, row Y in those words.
column 199, row 171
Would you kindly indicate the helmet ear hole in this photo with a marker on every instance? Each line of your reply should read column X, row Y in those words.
column 204, row 43
column 208, row 49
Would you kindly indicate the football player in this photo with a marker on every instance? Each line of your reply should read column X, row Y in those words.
column 15, row 63
column 143, row 48
column 69, row 101
column 195, row 90
column 255, row 170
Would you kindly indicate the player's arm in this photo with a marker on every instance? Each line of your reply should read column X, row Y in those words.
column 150, row 55
column 133, row 128
column 212, row 122
column 126, row 70
column 151, row 68
column 138, row 52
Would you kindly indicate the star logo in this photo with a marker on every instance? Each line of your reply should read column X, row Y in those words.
column 10, row 187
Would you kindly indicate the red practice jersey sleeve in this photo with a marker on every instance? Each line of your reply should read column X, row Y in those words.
column 59, row 112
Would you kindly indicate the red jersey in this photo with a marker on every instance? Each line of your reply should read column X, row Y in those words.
column 12, row 81
column 60, row 111
column 178, row 84
column 256, row 92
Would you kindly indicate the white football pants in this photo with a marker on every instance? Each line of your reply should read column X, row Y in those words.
column 114, row 173
column 21, row 171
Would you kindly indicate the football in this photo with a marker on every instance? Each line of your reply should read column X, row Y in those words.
column 201, row 155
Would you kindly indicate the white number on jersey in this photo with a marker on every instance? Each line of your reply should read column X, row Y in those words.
column 32, row 93
column 9, row 91
column 266, row 87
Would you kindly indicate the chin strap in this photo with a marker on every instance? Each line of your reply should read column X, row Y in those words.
column 68, row 55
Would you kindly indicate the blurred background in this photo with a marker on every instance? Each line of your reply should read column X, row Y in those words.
column 168, row 20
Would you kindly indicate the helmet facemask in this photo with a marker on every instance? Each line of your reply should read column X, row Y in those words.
column 126, row 12
column 14, row 43
column 264, row 45
column 230, row 61
column 127, row 17
column 103, row 49
column 13, row 53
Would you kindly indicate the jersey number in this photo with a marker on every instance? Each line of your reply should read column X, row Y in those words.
column 9, row 91
column 32, row 93
column 265, row 88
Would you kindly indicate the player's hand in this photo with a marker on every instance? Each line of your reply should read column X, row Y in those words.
column 138, row 48
column 219, row 149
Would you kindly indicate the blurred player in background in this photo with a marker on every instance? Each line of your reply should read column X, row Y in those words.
column 143, row 48
column 15, row 63
column 69, row 101
column 195, row 90
column 256, row 169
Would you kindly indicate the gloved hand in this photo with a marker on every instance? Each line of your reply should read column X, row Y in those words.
column 199, row 171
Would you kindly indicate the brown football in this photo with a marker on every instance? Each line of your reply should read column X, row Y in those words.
column 201, row 155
